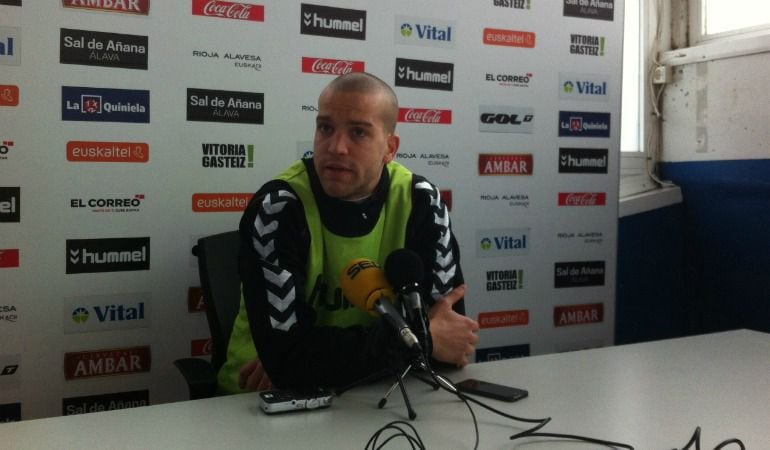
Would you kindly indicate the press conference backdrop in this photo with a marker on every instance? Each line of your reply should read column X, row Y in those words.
column 131, row 128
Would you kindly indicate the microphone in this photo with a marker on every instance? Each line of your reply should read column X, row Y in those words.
column 363, row 283
column 404, row 271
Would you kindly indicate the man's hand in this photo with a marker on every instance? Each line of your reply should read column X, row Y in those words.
column 252, row 377
column 454, row 335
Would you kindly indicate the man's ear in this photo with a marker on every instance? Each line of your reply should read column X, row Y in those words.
column 394, row 141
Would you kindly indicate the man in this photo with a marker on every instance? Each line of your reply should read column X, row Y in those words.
column 351, row 200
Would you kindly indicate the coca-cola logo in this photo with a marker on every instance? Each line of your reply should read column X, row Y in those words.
column 423, row 115
column 229, row 10
column 582, row 198
column 331, row 66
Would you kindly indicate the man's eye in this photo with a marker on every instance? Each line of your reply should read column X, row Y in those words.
column 323, row 128
column 358, row 132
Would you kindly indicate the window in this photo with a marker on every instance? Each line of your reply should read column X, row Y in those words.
column 713, row 19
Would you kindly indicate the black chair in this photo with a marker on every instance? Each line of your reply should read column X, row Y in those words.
column 218, row 270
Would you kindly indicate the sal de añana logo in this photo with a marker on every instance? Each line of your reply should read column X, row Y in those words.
column 578, row 274
column 590, row 9
column 95, row 48
column 107, row 255
column 140, row 7
column 207, row 105
column 105, row 402
column 329, row 21
column 105, row 104
column 108, row 362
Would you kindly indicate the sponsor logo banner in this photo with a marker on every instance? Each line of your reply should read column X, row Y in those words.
column 446, row 196
column 328, row 21
column 586, row 44
column 509, row 38
column 515, row 4
column 141, row 7
column 9, row 95
column 111, row 204
column 576, row 86
column 127, row 152
column 94, row 48
column 5, row 149
column 509, row 79
column 425, row 115
column 504, row 352
column 583, row 160
column 421, row 74
column 228, row 10
column 106, row 312
column 201, row 347
column 10, row 204
column 105, row 402
column 505, row 280
column 432, row 159
column 8, row 313
column 503, row 319
column 239, row 156
column 240, row 60
column 590, row 9
column 10, row 371
column 578, row 274
column 502, row 242
column 584, row 124
column 588, row 237
column 105, row 104
column 578, row 314
column 329, row 66
column 425, row 32
column 108, row 362
column 513, row 200
column 10, row 2
column 108, row 255
column 220, row 202
column 582, row 198
column 206, row 105
column 10, row 412
column 506, row 119
column 195, row 302
column 9, row 258
column 505, row 164
column 10, row 46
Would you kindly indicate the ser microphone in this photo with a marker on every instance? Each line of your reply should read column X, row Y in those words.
column 363, row 283
column 404, row 270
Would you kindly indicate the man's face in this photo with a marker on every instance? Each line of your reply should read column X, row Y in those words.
column 351, row 143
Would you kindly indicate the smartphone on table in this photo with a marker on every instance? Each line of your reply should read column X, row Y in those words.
column 491, row 390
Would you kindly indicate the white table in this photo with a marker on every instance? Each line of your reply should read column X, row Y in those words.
column 650, row 395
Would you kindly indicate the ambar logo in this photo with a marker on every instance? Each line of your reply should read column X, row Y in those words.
column 9, row 95
column 425, row 115
column 329, row 66
column 505, row 164
column 109, row 362
column 220, row 202
column 578, row 314
column 113, row 152
column 9, row 258
column 228, row 10
column 108, row 255
column 509, row 38
column 141, row 7
column 501, row 319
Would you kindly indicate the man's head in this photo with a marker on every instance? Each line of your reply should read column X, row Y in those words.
column 355, row 134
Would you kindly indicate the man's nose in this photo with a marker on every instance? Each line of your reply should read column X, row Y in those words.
column 338, row 143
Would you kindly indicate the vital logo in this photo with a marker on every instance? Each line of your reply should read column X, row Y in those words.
column 578, row 314
column 105, row 104
column 113, row 204
column 583, row 160
column 229, row 156
column 424, row 32
column 585, row 44
column 8, row 314
column 141, row 7
column 205, row 105
column 107, row 255
column 512, row 200
column 110, row 362
column 228, row 10
column 328, row 21
column 224, row 202
column 505, row 164
column 582, row 198
column 505, row 280
column 195, row 301
column 578, row 274
column 509, row 38
column 506, row 119
column 94, row 48
column 500, row 353
column 327, row 66
column 105, row 402
column 584, row 124
column 421, row 74
column 425, row 116
column 10, row 46
column 239, row 60
column 10, row 204
column 5, row 149
column 503, row 319
column 10, row 412
column 590, row 9
column 514, row 4
column 9, row 95
column 510, row 80
column 201, row 347
column 106, row 312
column 573, row 86
column 9, row 258
column 112, row 152
column 507, row 242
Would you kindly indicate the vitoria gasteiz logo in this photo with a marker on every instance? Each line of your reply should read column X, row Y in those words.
column 94, row 48
column 141, row 7
column 332, row 22
column 108, row 362
column 207, row 105
column 105, row 104
column 108, row 255
column 584, row 124
column 590, row 9
column 422, row 74
column 228, row 10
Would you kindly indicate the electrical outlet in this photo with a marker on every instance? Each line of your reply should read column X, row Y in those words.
column 661, row 75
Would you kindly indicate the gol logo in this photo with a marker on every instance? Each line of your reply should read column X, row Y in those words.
column 9, row 95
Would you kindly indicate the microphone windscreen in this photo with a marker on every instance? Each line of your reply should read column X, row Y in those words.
column 363, row 283
column 403, row 267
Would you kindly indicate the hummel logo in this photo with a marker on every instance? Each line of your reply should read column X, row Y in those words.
column 401, row 72
column 74, row 256
column 308, row 18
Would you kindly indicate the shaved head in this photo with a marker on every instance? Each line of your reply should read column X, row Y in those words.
column 366, row 83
